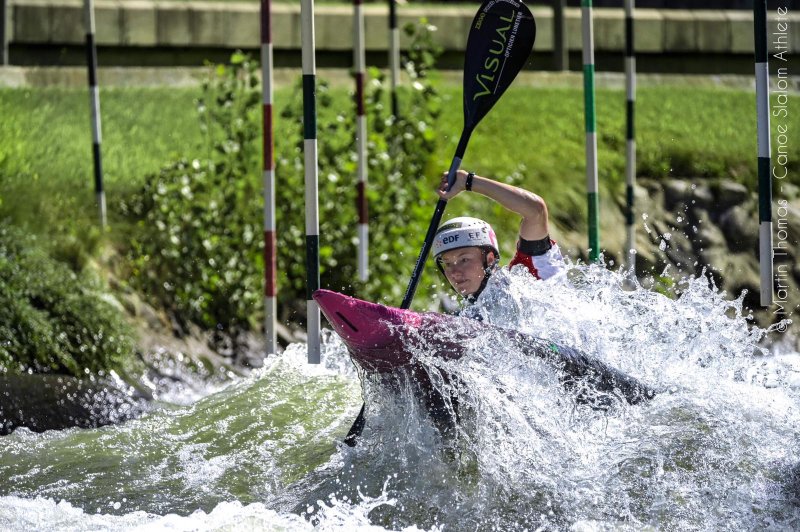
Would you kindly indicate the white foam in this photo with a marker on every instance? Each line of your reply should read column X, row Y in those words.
column 716, row 449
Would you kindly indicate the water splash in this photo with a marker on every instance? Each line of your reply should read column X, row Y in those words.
column 716, row 449
column 31, row 514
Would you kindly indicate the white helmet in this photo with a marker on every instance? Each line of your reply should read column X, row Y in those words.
column 464, row 232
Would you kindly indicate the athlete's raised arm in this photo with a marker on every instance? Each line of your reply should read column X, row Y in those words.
column 531, row 207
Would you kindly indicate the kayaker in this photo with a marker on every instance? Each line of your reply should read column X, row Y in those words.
column 466, row 249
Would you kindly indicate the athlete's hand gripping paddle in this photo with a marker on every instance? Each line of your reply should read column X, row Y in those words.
column 499, row 44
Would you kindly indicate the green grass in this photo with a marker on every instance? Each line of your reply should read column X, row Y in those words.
column 539, row 133
column 533, row 138
column 46, row 132
column 46, row 145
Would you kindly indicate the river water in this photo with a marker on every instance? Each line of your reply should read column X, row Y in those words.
column 717, row 449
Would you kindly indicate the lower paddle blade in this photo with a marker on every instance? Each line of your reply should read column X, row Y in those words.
column 499, row 44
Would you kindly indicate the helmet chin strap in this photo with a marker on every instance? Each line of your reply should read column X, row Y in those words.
column 488, row 270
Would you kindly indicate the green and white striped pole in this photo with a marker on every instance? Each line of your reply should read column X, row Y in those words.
column 764, row 153
column 311, row 177
column 359, row 61
column 630, row 153
column 591, row 130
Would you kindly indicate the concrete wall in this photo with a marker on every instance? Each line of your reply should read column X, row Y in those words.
column 41, row 31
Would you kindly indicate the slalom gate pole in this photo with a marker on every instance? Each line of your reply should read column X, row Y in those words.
column 560, row 44
column 311, row 175
column 268, row 167
column 3, row 34
column 394, row 54
column 630, row 154
column 591, row 130
column 359, row 61
column 94, row 105
column 764, row 153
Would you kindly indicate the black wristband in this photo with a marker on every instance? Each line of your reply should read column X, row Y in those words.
column 535, row 247
column 468, row 183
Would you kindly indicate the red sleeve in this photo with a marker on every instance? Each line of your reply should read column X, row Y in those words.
column 525, row 260
column 541, row 266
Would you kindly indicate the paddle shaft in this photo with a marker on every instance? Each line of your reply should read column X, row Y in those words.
column 436, row 220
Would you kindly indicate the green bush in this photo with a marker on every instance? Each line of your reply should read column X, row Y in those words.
column 198, row 249
column 51, row 319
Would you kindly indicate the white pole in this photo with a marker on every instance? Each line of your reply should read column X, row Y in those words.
column 94, row 104
column 591, row 131
column 630, row 159
column 311, row 178
column 3, row 33
column 764, row 153
column 359, row 60
column 270, row 259
column 394, row 54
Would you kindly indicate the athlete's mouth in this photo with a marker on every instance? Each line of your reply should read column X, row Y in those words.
column 462, row 286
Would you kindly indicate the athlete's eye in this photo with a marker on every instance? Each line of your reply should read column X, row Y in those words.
column 460, row 262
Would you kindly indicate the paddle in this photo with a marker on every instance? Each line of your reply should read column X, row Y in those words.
column 499, row 44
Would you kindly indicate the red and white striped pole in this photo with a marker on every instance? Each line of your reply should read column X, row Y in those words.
column 361, row 139
column 94, row 103
column 270, row 252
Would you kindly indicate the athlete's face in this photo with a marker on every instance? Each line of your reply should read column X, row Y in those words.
column 464, row 268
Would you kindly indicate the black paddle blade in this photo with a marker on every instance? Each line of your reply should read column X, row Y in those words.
column 500, row 42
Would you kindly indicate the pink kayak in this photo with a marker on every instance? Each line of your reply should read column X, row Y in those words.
column 384, row 339
column 381, row 338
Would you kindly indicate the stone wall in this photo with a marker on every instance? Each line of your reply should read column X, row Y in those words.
column 49, row 31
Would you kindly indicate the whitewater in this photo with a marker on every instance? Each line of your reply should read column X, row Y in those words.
column 716, row 449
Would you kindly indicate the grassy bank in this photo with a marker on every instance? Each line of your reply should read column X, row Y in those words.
column 45, row 147
column 537, row 136
column 533, row 138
